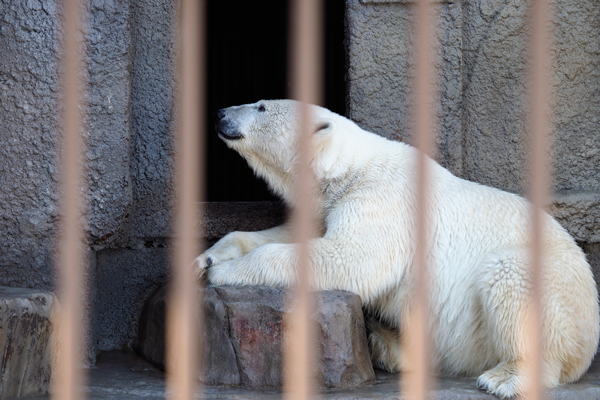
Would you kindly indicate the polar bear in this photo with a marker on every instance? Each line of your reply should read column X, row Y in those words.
column 478, row 250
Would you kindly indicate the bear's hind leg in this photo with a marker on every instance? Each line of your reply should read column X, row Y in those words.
column 384, row 347
column 505, row 293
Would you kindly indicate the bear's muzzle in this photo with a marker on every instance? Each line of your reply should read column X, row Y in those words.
column 225, row 129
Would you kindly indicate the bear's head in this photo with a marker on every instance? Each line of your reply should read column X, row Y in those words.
column 266, row 135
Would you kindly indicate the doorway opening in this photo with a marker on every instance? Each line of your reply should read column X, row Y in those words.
column 247, row 50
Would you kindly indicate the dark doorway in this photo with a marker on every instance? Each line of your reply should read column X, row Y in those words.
column 247, row 62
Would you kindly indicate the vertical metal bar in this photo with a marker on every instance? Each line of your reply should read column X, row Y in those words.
column 69, row 327
column 415, row 381
column 538, row 187
column 183, row 313
column 306, row 72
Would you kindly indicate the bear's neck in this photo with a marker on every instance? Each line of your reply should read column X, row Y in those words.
column 280, row 182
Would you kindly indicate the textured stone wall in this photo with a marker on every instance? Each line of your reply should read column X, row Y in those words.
column 482, row 81
column 107, row 124
column 151, row 108
column 379, row 39
column 29, row 99
column 495, row 94
column 127, row 111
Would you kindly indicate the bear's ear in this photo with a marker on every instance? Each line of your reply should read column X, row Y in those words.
column 324, row 126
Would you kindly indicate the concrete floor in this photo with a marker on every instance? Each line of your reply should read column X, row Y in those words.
column 120, row 376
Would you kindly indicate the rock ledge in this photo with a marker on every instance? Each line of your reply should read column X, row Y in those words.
column 244, row 332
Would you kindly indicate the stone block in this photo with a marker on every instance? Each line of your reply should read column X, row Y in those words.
column 25, row 329
column 244, row 335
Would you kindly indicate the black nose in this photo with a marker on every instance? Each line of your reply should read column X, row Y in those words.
column 218, row 115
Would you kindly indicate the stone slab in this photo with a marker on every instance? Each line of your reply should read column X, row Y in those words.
column 244, row 334
column 125, row 376
column 25, row 329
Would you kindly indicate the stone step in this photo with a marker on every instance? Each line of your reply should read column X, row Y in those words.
column 25, row 329
column 244, row 333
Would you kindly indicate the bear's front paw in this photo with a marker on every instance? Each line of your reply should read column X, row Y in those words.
column 201, row 264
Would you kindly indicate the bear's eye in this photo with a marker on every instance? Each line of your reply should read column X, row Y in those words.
column 262, row 108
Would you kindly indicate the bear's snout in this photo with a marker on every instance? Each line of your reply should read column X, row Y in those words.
column 218, row 115
column 224, row 127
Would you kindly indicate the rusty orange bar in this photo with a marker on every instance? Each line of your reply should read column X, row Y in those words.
column 69, row 329
column 183, row 313
column 538, row 185
column 306, row 72
column 415, row 382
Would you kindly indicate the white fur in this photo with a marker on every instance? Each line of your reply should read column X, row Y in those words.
column 478, row 251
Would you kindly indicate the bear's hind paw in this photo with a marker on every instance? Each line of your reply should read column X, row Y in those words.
column 503, row 381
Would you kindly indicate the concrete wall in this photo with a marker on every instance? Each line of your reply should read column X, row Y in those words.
column 129, row 54
column 482, row 116
column 29, row 91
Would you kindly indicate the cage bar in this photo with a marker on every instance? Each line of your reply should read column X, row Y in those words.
column 69, row 329
column 538, row 184
column 183, row 312
column 414, row 339
column 306, row 74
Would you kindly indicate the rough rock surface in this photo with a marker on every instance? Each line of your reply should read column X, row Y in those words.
column 107, row 119
column 495, row 97
column 592, row 250
column 29, row 97
column 25, row 329
column 244, row 332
